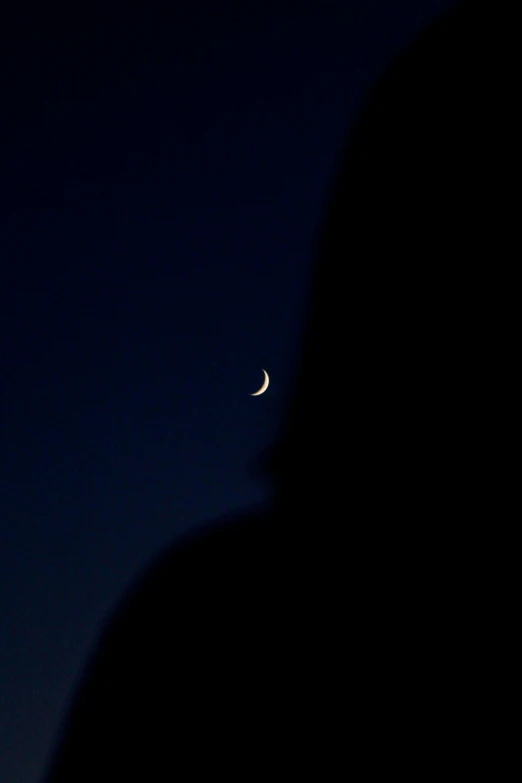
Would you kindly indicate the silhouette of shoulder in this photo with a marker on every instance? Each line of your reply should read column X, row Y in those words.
column 181, row 635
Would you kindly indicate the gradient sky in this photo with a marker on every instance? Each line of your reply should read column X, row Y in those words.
column 161, row 184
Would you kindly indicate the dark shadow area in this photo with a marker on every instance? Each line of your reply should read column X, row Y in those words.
column 341, row 628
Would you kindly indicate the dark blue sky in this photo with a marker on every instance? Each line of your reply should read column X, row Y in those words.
column 161, row 185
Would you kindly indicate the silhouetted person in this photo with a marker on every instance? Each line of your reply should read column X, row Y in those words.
column 339, row 633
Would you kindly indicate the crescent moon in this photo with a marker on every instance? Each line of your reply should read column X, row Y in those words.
column 264, row 387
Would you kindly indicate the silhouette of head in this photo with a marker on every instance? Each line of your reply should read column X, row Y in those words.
column 405, row 385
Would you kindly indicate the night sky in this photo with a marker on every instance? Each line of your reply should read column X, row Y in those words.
column 161, row 184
